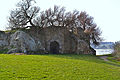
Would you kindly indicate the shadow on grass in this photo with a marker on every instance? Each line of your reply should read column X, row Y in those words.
column 84, row 57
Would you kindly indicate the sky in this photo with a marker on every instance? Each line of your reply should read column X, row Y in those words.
column 106, row 13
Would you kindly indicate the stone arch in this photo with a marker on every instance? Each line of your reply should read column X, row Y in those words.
column 54, row 47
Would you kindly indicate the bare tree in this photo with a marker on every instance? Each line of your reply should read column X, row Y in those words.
column 23, row 14
column 27, row 13
column 51, row 17
column 89, row 27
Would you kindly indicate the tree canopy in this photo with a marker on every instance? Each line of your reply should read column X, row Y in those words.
column 26, row 13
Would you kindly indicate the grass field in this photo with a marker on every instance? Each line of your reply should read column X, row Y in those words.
column 57, row 67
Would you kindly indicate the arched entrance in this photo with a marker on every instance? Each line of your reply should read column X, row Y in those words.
column 54, row 47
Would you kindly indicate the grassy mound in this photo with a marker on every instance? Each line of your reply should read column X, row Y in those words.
column 56, row 67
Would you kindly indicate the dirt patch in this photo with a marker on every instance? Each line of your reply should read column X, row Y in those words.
column 104, row 58
column 18, row 54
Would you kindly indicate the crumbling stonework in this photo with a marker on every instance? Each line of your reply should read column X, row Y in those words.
column 22, row 41
column 3, row 39
column 50, row 40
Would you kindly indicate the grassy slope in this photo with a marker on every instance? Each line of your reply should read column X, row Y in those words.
column 56, row 67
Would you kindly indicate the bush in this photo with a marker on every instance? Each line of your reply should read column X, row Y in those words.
column 117, row 50
column 2, row 51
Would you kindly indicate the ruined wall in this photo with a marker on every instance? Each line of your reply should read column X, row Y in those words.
column 54, row 34
column 61, row 35
column 67, row 43
column 3, row 39
column 41, row 39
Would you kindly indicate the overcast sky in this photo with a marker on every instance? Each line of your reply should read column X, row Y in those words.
column 106, row 13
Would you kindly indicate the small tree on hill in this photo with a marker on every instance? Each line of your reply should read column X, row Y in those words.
column 23, row 14
column 89, row 27
column 51, row 17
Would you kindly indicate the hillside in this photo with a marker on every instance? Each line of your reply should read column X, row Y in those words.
column 56, row 67
column 104, row 45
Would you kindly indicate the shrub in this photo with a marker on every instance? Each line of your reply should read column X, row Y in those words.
column 2, row 51
column 117, row 50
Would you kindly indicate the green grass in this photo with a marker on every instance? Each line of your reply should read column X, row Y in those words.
column 114, row 59
column 56, row 67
